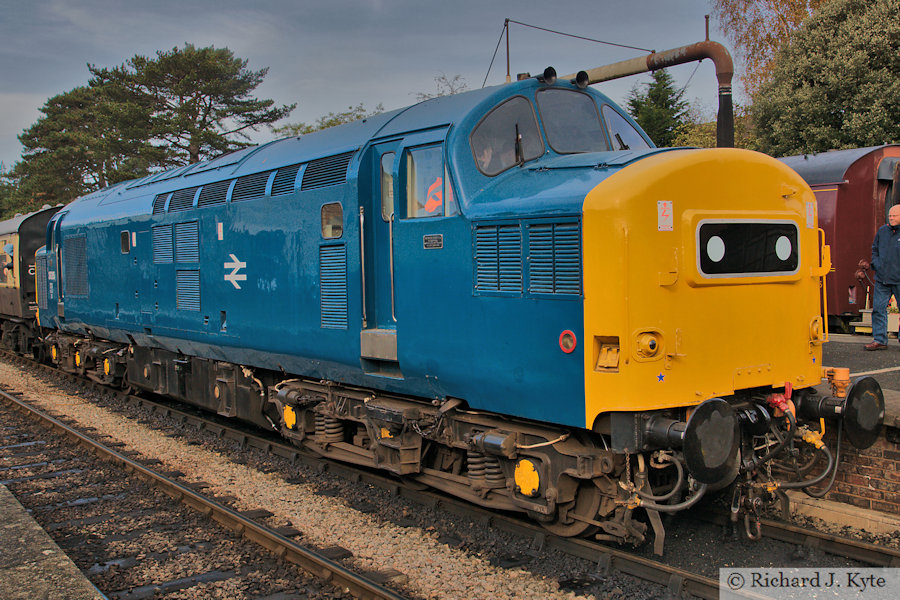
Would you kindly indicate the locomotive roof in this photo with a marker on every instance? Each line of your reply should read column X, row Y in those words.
column 134, row 197
column 827, row 167
column 13, row 225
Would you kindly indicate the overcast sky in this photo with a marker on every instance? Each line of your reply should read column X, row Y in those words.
column 326, row 55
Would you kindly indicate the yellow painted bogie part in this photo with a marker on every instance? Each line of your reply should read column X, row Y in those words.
column 657, row 333
column 77, row 358
column 527, row 478
column 107, row 366
column 290, row 417
column 54, row 353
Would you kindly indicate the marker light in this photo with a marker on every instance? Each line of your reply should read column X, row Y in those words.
column 567, row 341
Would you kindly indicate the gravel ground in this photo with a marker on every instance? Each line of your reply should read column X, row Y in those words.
column 132, row 540
column 434, row 569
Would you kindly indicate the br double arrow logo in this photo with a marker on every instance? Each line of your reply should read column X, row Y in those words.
column 235, row 265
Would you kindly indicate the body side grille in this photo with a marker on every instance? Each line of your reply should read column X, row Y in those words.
column 285, row 180
column 333, row 286
column 554, row 251
column 250, row 187
column 187, row 242
column 159, row 204
column 498, row 258
column 183, row 199
column 214, row 193
column 163, row 252
column 41, row 270
column 75, row 265
column 331, row 170
column 187, row 290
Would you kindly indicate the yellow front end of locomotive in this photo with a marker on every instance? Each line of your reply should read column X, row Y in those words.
column 703, row 276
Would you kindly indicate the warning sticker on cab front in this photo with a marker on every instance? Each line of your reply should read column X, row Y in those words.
column 665, row 221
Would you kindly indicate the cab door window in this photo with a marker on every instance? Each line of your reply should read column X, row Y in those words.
column 387, row 186
column 425, row 181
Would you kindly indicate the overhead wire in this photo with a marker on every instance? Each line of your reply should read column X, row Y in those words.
column 502, row 31
column 580, row 37
column 505, row 31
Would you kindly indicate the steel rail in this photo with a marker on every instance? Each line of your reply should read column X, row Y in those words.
column 322, row 567
column 878, row 556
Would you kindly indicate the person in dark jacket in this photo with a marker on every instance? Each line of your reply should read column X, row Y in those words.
column 886, row 264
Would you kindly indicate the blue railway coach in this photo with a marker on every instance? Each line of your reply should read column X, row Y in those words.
column 438, row 291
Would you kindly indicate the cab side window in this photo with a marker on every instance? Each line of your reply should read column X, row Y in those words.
column 621, row 132
column 425, row 182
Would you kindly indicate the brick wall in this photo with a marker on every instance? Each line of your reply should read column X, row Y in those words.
column 869, row 478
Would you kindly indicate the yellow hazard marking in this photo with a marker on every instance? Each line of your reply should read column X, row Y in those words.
column 385, row 433
column 527, row 478
column 290, row 417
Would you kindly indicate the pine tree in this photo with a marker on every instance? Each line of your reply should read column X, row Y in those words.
column 85, row 140
column 659, row 109
column 200, row 99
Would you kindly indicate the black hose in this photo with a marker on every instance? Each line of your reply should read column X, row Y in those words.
column 794, row 485
column 757, row 462
column 673, row 491
column 671, row 508
column 837, row 462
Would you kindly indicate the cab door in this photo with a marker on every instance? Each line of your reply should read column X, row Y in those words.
column 378, row 337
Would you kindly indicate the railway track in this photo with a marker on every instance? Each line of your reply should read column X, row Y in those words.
column 39, row 468
column 679, row 581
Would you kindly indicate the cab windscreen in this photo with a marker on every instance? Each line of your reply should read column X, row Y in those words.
column 740, row 249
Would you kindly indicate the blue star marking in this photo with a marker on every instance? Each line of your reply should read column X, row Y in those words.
column 660, row 377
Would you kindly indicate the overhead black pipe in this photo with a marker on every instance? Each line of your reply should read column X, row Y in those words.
column 678, row 56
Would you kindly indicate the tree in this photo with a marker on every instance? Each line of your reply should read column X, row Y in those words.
column 699, row 129
column 85, row 140
column 445, row 86
column 353, row 113
column 836, row 84
column 7, row 191
column 758, row 28
column 199, row 99
column 659, row 110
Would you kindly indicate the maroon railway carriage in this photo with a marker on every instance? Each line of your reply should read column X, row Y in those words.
column 855, row 190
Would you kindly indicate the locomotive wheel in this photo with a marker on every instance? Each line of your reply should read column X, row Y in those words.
column 586, row 504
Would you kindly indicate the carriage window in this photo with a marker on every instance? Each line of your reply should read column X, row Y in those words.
column 387, row 186
column 571, row 121
column 623, row 135
column 332, row 221
column 508, row 133
column 125, row 242
column 425, row 182
column 7, row 263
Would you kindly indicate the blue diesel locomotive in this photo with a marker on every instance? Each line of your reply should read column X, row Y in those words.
column 508, row 294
